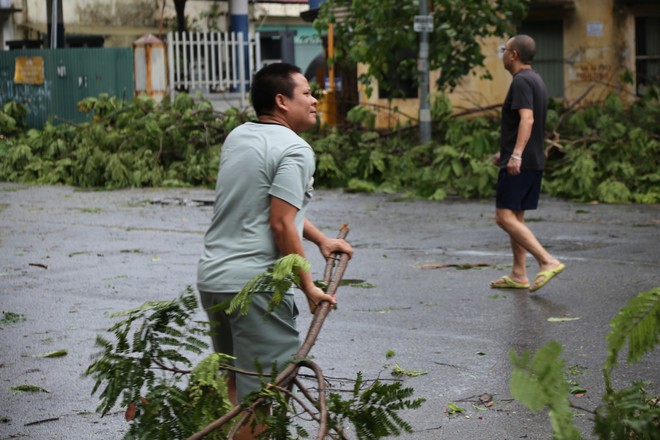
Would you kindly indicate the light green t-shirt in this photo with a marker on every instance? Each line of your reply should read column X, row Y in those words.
column 258, row 161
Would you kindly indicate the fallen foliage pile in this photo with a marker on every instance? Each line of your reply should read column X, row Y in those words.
column 605, row 152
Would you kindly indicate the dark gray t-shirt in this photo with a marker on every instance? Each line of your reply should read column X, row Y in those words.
column 527, row 91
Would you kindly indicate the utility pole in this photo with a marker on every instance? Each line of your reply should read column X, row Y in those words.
column 424, row 25
column 55, row 22
column 238, row 15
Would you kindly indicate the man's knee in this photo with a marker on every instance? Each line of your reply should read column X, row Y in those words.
column 505, row 218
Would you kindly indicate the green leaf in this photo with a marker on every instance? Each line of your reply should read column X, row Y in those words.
column 357, row 185
column 577, row 390
column 279, row 279
column 398, row 371
column 12, row 318
column 454, row 408
column 457, row 167
column 638, row 323
column 52, row 354
column 539, row 382
column 613, row 192
column 29, row 388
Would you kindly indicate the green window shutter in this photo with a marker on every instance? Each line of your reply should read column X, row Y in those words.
column 549, row 59
column 647, row 56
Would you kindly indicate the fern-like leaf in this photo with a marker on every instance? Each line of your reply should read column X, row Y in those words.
column 373, row 411
column 150, row 337
column 278, row 280
column 630, row 413
column 539, row 382
column 638, row 323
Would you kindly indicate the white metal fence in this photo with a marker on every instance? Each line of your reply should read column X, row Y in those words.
column 212, row 62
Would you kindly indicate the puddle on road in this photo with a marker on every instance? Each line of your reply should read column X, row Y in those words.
column 361, row 284
column 178, row 201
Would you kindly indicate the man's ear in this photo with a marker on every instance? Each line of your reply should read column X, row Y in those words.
column 280, row 101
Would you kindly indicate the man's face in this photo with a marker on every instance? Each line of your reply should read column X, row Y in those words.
column 507, row 56
column 301, row 107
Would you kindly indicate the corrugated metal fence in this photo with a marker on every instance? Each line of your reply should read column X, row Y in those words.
column 218, row 64
column 69, row 75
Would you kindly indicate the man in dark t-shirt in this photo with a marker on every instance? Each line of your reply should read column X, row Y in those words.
column 521, row 159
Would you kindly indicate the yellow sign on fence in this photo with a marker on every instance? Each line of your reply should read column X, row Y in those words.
column 29, row 70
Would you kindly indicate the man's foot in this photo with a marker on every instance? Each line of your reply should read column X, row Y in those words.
column 542, row 278
column 506, row 282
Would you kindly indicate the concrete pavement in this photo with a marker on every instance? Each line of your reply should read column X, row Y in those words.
column 70, row 257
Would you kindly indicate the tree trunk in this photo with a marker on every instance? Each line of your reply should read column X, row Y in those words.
column 180, row 6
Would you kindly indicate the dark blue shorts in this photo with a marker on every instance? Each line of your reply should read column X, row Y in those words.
column 518, row 193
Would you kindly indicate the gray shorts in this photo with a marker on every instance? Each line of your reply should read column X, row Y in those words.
column 258, row 338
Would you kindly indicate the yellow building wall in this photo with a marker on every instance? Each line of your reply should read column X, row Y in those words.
column 474, row 92
column 598, row 46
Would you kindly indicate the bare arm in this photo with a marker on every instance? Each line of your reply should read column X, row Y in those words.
column 327, row 246
column 524, row 133
column 282, row 222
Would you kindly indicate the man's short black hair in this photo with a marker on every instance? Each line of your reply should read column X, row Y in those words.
column 270, row 81
column 525, row 46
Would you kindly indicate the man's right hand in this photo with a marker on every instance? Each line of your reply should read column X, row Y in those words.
column 496, row 159
column 315, row 295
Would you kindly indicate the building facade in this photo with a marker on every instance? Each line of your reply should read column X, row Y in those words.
column 119, row 23
column 584, row 48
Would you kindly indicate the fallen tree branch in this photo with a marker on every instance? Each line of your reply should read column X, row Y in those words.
column 572, row 105
column 43, row 266
column 300, row 402
column 323, row 409
column 245, row 415
column 456, row 265
column 334, row 271
column 39, row 422
column 477, row 109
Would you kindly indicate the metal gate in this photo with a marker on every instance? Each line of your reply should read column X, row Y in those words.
column 68, row 76
column 212, row 63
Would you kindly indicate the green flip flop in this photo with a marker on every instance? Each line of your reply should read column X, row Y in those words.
column 505, row 282
column 547, row 276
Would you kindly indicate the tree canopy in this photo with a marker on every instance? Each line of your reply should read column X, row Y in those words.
column 380, row 34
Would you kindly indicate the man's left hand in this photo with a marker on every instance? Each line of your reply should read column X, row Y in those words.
column 334, row 245
column 513, row 166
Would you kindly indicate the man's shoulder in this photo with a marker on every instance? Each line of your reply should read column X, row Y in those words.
column 527, row 76
column 246, row 126
column 268, row 128
column 528, row 79
column 279, row 137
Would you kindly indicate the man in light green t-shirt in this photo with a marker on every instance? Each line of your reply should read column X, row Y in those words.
column 264, row 185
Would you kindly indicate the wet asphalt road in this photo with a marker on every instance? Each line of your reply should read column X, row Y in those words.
column 68, row 258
